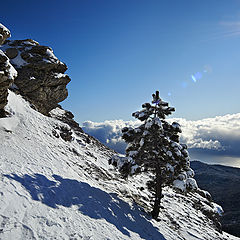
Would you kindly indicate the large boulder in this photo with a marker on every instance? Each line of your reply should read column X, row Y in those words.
column 41, row 77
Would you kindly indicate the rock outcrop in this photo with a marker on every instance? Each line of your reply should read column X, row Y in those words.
column 7, row 72
column 4, row 34
column 41, row 78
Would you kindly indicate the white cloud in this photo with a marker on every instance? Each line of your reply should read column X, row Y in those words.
column 109, row 132
column 219, row 134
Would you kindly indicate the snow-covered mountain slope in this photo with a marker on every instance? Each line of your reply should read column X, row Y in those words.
column 56, row 189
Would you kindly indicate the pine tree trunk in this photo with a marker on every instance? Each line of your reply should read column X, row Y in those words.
column 158, row 194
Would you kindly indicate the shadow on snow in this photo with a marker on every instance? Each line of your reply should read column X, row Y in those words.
column 91, row 201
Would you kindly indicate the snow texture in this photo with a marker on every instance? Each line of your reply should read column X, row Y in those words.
column 53, row 189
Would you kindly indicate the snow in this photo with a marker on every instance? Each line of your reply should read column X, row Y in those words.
column 145, row 133
column 1, row 53
column 142, row 114
column 51, row 54
column 184, row 183
column 18, row 61
column 141, row 142
column 47, row 191
column 34, row 43
column 12, row 73
column 134, row 168
column 191, row 183
column 4, row 29
column 158, row 122
column 190, row 173
column 132, row 153
column 169, row 167
column 218, row 209
column 59, row 75
column 57, row 112
column 180, row 184
column 148, row 124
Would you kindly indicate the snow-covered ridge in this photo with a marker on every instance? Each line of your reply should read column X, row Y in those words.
column 51, row 188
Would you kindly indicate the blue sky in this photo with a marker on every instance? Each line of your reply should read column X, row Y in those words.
column 119, row 52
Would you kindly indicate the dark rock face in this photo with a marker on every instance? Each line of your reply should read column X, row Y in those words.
column 41, row 77
column 223, row 183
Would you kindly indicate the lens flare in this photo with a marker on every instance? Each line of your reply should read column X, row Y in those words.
column 193, row 78
column 197, row 76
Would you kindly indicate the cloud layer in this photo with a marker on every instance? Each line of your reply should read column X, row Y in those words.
column 218, row 135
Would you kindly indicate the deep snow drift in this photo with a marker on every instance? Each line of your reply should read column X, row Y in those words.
column 56, row 189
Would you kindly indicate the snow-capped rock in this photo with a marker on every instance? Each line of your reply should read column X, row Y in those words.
column 4, row 33
column 41, row 75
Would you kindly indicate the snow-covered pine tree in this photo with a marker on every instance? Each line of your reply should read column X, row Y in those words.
column 154, row 147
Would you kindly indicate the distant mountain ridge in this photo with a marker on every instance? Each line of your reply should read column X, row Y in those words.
column 223, row 183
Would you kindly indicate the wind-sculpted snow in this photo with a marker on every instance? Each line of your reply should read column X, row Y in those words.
column 90, row 201
column 51, row 188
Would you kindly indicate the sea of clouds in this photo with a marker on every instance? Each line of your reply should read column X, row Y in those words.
column 219, row 136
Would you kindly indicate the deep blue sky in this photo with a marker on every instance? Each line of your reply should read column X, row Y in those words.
column 119, row 51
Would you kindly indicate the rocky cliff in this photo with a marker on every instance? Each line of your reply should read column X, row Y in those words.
column 40, row 79
column 7, row 72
